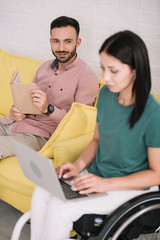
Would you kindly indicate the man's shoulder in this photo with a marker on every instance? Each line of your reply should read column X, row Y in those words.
column 84, row 67
column 81, row 63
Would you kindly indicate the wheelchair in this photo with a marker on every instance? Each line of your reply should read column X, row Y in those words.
column 138, row 218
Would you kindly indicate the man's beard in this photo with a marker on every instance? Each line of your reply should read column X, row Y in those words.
column 73, row 53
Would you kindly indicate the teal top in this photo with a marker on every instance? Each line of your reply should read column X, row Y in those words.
column 121, row 150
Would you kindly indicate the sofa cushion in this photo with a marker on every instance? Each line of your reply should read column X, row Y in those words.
column 79, row 121
column 8, row 63
column 1, row 115
column 70, row 150
column 12, row 177
column 101, row 84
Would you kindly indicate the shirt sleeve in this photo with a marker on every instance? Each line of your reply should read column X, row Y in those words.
column 87, row 89
column 153, row 129
column 100, row 101
column 6, row 120
column 57, row 115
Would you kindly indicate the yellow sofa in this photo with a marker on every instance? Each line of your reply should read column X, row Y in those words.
column 68, row 141
column 73, row 134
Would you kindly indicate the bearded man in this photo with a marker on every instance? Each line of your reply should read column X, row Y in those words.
column 60, row 82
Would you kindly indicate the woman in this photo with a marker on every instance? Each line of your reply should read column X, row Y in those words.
column 125, row 151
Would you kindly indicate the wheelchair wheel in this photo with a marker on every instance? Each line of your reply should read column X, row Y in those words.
column 138, row 219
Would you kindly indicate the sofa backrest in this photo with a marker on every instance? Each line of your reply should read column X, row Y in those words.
column 9, row 63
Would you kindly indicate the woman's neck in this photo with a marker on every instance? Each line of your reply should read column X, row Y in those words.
column 126, row 99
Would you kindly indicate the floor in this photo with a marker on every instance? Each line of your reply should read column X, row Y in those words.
column 8, row 219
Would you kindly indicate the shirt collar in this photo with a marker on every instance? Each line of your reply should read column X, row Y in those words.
column 55, row 62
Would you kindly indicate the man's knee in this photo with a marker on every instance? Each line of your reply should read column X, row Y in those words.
column 6, row 149
column 2, row 130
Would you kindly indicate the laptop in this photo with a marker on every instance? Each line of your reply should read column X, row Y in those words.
column 40, row 170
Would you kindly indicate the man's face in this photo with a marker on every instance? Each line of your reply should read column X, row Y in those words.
column 64, row 42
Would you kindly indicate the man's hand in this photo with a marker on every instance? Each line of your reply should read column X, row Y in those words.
column 16, row 114
column 40, row 99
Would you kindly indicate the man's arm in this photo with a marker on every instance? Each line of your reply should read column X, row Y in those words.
column 87, row 89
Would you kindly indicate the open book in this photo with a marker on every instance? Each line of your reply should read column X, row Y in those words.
column 21, row 93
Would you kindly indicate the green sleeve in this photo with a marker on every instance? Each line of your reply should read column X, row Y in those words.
column 153, row 129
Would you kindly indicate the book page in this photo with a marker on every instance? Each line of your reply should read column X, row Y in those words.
column 15, row 77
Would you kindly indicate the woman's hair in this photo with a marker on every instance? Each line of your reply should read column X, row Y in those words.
column 65, row 21
column 130, row 49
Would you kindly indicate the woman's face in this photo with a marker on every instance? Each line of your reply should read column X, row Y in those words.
column 119, row 77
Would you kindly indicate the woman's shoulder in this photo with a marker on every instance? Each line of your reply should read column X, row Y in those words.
column 105, row 91
column 104, row 94
column 152, row 106
column 152, row 102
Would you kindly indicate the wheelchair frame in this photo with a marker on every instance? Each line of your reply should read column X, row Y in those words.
column 117, row 222
column 133, row 211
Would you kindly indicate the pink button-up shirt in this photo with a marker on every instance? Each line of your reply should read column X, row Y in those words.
column 74, row 83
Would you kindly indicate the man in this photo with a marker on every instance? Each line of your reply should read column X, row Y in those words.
column 61, row 82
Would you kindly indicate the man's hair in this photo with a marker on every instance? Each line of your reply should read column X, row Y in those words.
column 64, row 21
column 130, row 49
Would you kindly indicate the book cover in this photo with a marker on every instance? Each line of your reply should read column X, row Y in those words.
column 21, row 93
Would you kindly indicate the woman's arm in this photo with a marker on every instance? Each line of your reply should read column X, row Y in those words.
column 140, row 180
column 89, row 154
column 68, row 170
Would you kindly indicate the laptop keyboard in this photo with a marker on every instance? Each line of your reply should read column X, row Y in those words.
column 68, row 192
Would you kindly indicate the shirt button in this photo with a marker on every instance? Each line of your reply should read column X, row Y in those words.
column 49, row 86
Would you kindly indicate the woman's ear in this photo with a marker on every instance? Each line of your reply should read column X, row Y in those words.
column 134, row 75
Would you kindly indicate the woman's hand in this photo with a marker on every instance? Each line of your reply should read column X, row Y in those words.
column 90, row 183
column 67, row 170
column 16, row 114
column 40, row 99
